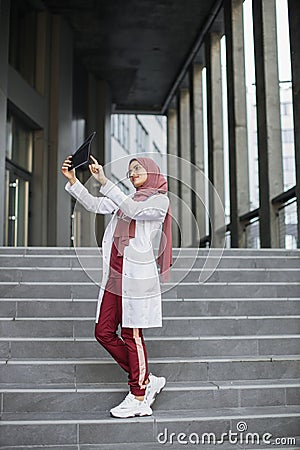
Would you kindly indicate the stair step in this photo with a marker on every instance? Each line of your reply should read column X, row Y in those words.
column 187, row 274
column 178, row 346
column 121, row 446
column 174, row 326
column 188, row 395
column 229, row 348
column 181, row 251
column 214, row 369
column 170, row 386
column 86, row 428
column 73, row 309
column 93, row 263
column 169, row 290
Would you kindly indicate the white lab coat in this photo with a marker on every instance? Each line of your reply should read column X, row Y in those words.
column 141, row 294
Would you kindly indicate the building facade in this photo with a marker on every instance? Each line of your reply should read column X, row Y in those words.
column 136, row 134
column 65, row 73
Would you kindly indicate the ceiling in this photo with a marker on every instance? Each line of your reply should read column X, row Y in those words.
column 138, row 46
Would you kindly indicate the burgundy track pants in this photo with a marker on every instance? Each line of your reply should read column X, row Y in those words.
column 130, row 351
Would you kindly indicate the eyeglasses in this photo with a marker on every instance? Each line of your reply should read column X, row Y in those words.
column 137, row 169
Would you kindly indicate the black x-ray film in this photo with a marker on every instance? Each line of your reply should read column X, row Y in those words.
column 82, row 154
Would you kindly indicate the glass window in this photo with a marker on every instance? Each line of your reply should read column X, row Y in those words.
column 116, row 127
column 285, row 86
column 120, row 184
column 286, row 108
column 251, row 103
column 225, row 129
column 19, row 143
column 142, row 141
column 159, row 119
column 288, row 136
column 120, row 129
column 205, row 143
column 156, row 149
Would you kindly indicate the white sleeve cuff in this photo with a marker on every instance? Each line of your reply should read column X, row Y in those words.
column 107, row 187
column 72, row 187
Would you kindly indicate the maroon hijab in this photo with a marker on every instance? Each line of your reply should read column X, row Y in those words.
column 125, row 228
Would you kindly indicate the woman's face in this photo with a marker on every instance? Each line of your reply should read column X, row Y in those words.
column 137, row 174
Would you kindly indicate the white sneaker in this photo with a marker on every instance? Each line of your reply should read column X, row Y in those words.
column 153, row 388
column 131, row 407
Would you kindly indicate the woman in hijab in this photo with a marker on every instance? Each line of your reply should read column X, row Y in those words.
column 134, row 219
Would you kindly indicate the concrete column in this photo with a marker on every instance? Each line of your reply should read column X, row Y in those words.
column 40, row 186
column 60, row 136
column 4, row 39
column 192, row 155
column 197, row 144
column 104, row 119
column 99, row 112
column 215, row 132
column 294, row 18
column 179, row 169
column 268, row 118
column 172, row 154
column 237, row 119
column 185, row 168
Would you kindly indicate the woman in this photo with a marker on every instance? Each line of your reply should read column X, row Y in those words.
column 130, row 293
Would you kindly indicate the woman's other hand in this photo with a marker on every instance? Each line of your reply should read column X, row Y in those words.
column 69, row 174
column 97, row 171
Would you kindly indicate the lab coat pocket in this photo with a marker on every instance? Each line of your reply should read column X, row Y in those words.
column 142, row 313
column 140, row 275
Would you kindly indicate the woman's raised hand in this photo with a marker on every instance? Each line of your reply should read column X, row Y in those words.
column 97, row 171
column 69, row 174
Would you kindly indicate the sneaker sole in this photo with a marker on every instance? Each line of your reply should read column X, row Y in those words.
column 157, row 392
column 132, row 415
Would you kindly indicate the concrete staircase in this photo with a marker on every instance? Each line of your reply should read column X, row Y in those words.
column 229, row 348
